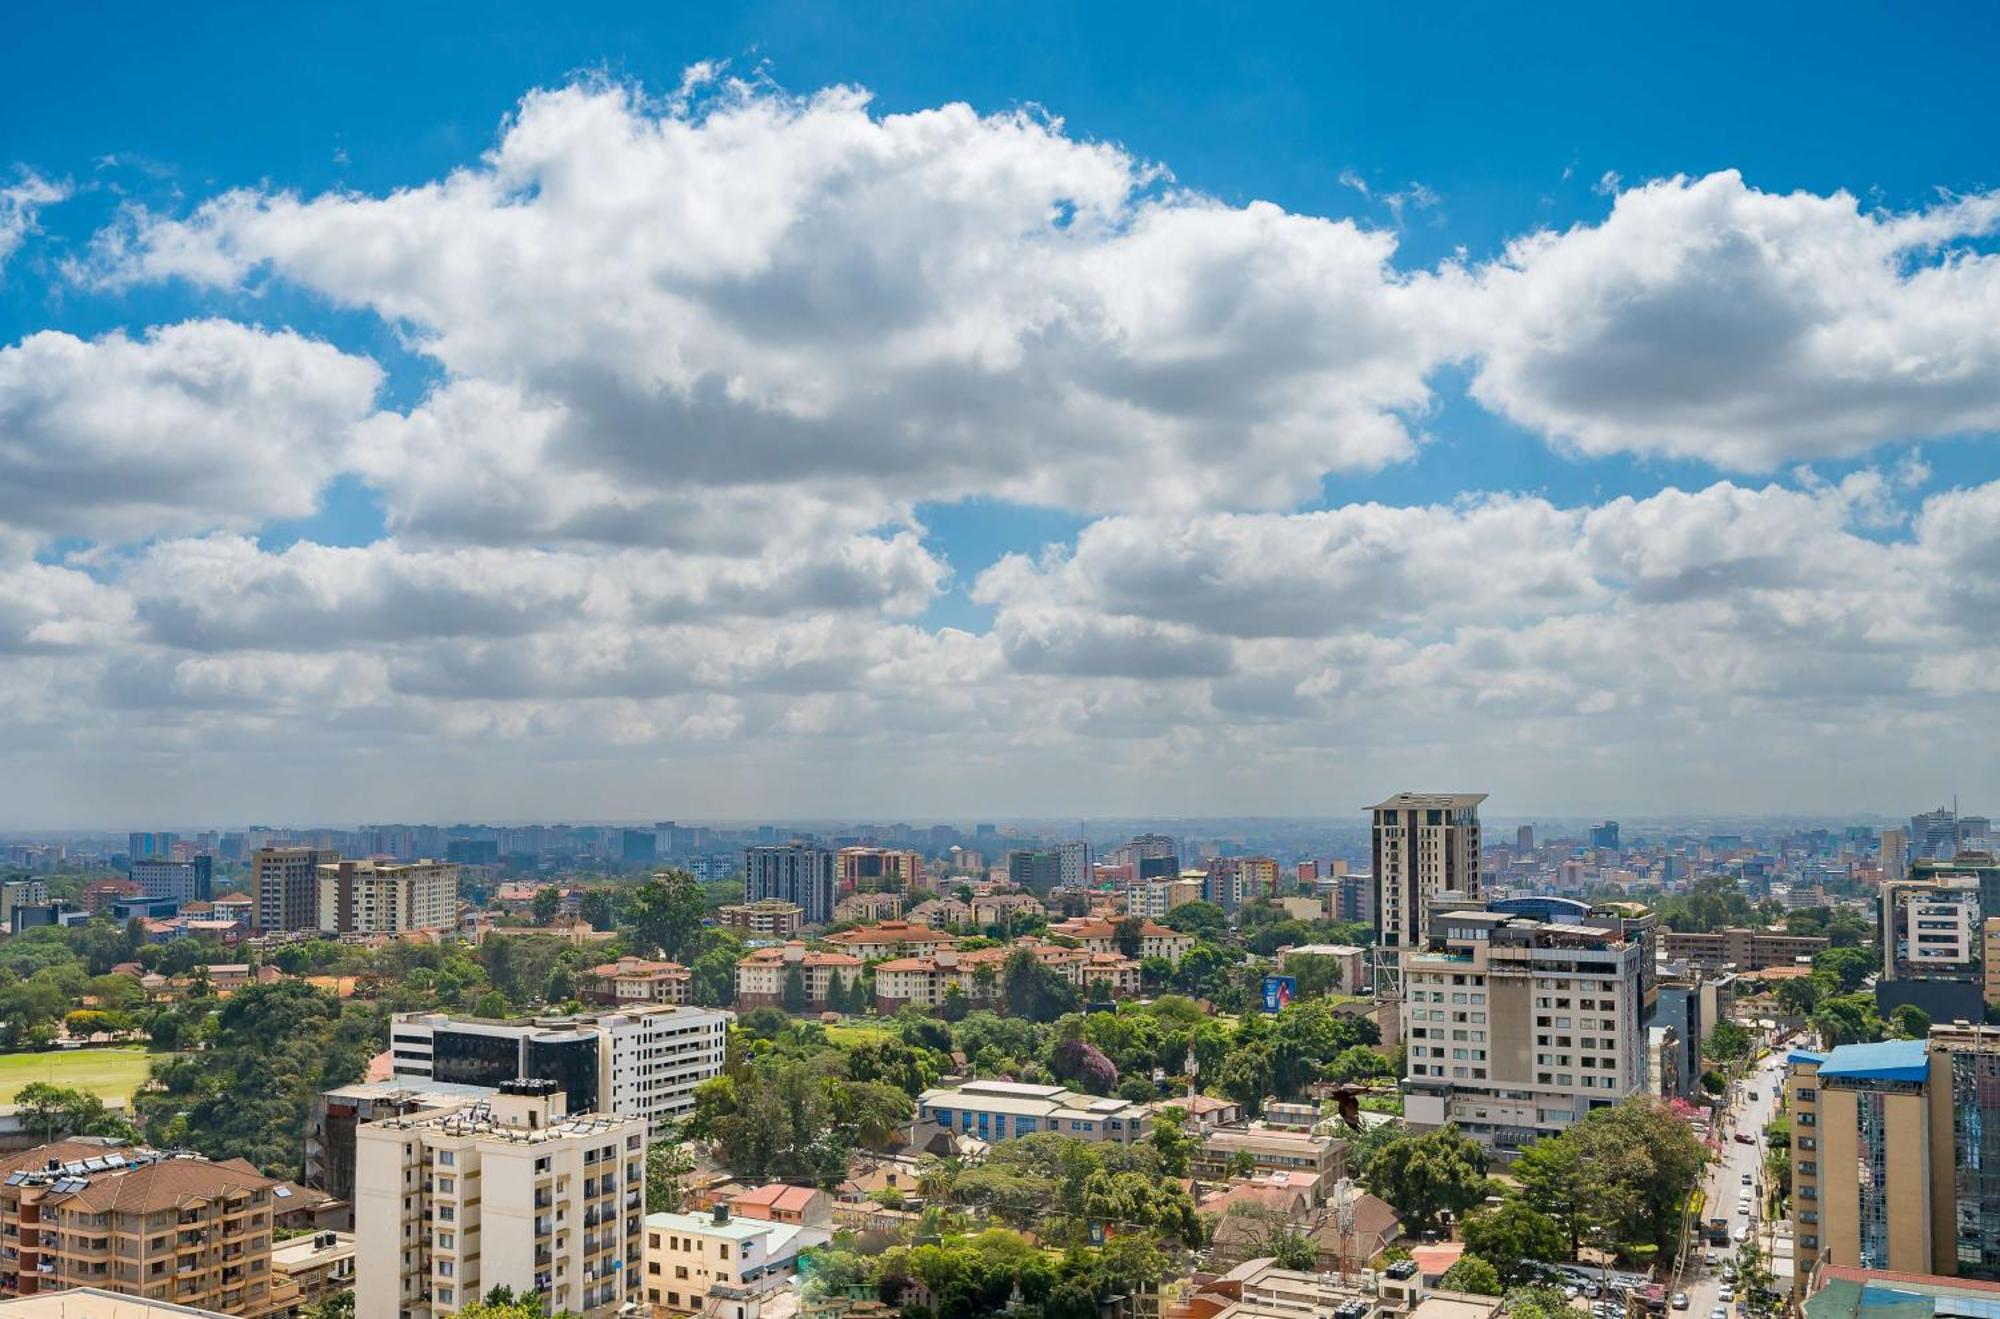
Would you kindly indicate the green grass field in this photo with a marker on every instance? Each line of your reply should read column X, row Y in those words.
column 847, row 1035
column 111, row 1073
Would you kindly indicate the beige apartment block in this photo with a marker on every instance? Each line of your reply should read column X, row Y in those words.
column 1424, row 844
column 387, row 897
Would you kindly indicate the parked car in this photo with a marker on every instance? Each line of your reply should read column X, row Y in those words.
column 1726, row 1295
column 1748, row 1179
column 1680, row 1301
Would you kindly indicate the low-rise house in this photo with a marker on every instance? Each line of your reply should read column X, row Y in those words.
column 1000, row 1110
column 1271, row 1149
column 806, row 1206
column 892, row 939
column 1204, row 1112
column 868, row 907
column 690, row 1257
column 636, row 980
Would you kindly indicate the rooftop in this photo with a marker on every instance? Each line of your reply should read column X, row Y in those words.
column 93, row 1303
column 1406, row 801
column 1892, row 1060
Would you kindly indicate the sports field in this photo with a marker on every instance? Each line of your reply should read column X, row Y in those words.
column 112, row 1073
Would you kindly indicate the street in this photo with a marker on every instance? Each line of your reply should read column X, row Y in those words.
column 1724, row 1183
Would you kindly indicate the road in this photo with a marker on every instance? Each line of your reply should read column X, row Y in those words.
column 1725, row 1178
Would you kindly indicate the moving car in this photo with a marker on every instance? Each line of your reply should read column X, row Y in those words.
column 1745, row 1138
column 1680, row 1301
column 1746, row 1179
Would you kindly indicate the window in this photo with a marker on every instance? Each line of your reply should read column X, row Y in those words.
column 446, row 1158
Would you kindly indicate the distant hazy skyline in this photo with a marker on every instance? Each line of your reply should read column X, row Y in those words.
column 486, row 412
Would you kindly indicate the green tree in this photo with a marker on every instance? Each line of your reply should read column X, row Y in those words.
column 1429, row 1176
column 1849, row 967
column 1247, row 1076
column 55, row 1112
column 1728, row 1042
column 1513, row 1235
column 1128, row 937
column 547, row 901
column 1471, row 1274
column 1910, row 1022
column 668, row 1163
column 792, row 997
column 1034, row 991
column 665, row 914
column 1171, row 1141
column 1203, row 919
column 1538, row 1301
column 1847, row 1019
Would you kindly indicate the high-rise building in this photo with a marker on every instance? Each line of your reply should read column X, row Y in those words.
column 516, row 1192
column 1075, row 854
column 164, row 1227
column 1895, row 853
column 1483, row 1000
column 1036, row 872
column 1934, row 833
column 638, row 847
column 639, row 1061
column 1604, row 837
column 878, row 869
column 1524, row 839
column 387, row 897
column 285, row 881
column 1260, row 876
column 1933, row 947
column 145, row 846
column 184, row 881
column 793, row 872
column 1896, row 1154
column 1152, row 856
column 1424, row 843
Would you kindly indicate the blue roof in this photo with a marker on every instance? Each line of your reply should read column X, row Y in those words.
column 1804, row 1056
column 1892, row 1060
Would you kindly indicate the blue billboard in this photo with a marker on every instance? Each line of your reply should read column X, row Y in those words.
column 1278, row 991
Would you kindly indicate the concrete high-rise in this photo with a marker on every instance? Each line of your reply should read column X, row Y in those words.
column 184, row 881
column 1035, row 872
column 387, row 897
column 515, row 1192
column 878, row 869
column 285, row 882
column 803, row 873
column 1933, row 947
column 1075, row 854
column 1934, row 833
column 1424, row 843
column 1895, row 853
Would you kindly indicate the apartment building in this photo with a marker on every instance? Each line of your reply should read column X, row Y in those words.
column 704, row 1263
column 1314, row 1162
column 1424, row 843
column 1517, row 1027
column 387, row 897
column 924, row 981
column 1258, row 876
column 1101, row 936
column 171, row 1228
column 802, row 873
column 518, row 1192
column 1075, row 862
column 285, row 881
column 1038, row 870
column 641, row 1061
column 762, row 973
column 187, row 881
column 634, row 980
column 338, row 1113
column 766, row 918
column 1744, row 949
column 1933, row 947
column 999, row 1110
column 892, row 939
column 878, row 869
column 319, row 1265
column 868, row 907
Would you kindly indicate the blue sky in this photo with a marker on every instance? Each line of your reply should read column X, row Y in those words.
column 1454, row 131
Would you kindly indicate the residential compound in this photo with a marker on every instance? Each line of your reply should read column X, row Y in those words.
column 800, row 873
column 642, row 1061
column 634, row 980
column 518, row 1192
column 763, row 974
column 878, row 868
column 1896, row 1154
column 387, row 897
column 285, row 881
column 171, row 1228
column 1515, row 1026
column 1424, row 843
column 768, row 918
column 999, row 1110
column 1743, row 949
column 926, row 981
column 706, row 1263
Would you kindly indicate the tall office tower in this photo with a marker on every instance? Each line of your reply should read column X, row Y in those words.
column 1604, row 837
column 1524, row 839
column 638, row 847
column 512, row 1193
column 1035, row 872
column 1075, row 854
column 1933, row 947
column 1895, row 853
column 1152, row 856
column 1518, row 1027
column 878, row 869
column 387, row 897
column 794, row 872
column 1975, row 833
column 1934, row 834
column 184, row 881
column 285, row 881
column 143, row 846
column 640, row 1061
column 1425, row 843
column 131, row 1220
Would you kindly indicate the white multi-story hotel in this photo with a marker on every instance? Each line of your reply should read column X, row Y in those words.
column 637, row 1062
column 387, row 897
column 1516, row 1027
column 514, row 1193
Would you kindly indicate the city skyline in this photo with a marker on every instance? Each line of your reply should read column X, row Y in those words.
column 795, row 418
